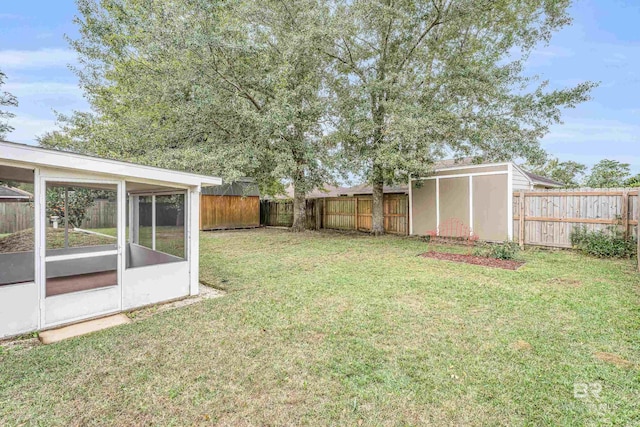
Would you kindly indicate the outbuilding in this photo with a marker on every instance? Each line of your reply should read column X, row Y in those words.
column 230, row 205
column 470, row 198
column 62, row 269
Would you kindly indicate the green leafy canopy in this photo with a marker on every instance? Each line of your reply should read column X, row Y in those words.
column 6, row 100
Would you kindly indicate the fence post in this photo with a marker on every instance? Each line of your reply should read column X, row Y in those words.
column 355, row 209
column 625, row 214
column 638, row 230
column 324, row 211
column 521, row 221
column 406, row 217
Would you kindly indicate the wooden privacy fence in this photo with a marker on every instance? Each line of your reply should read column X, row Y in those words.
column 102, row 214
column 547, row 217
column 355, row 213
column 279, row 213
column 16, row 216
column 221, row 212
column 341, row 213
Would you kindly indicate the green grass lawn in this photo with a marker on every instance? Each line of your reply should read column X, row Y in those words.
column 329, row 329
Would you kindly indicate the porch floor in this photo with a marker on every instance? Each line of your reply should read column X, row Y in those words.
column 81, row 282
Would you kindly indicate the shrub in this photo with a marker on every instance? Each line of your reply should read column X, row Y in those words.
column 506, row 250
column 608, row 243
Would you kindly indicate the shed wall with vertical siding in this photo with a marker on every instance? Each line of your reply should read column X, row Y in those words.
column 477, row 196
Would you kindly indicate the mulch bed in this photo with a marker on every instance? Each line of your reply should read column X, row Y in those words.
column 475, row 260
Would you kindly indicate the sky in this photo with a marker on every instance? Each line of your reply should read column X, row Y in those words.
column 602, row 45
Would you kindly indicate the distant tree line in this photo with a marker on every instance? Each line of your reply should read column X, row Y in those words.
column 604, row 174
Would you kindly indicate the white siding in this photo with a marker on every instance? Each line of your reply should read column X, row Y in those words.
column 520, row 181
column 19, row 309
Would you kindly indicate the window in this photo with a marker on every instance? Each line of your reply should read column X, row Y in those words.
column 81, row 216
column 17, row 217
column 156, row 228
column 81, row 237
column 170, row 224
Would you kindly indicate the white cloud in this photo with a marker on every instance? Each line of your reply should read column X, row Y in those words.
column 35, row 59
column 27, row 128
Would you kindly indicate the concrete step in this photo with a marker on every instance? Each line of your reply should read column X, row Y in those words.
column 83, row 328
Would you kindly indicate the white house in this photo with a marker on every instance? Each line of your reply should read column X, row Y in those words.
column 60, row 265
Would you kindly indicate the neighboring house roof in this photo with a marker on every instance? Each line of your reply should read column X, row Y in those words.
column 368, row 189
column 324, row 191
column 541, row 180
column 450, row 163
column 245, row 187
column 40, row 156
column 14, row 193
column 333, row 191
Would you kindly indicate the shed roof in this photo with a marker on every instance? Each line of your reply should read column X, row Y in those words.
column 38, row 156
column 542, row 180
column 7, row 192
column 245, row 187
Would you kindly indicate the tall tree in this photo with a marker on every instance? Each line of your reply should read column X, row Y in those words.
column 219, row 87
column 6, row 100
column 634, row 181
column 607, row 174
column 417, row 78
column 569, row 173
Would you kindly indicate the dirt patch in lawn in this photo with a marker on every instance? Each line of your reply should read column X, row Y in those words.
column 614, row 359
column 475, row 260
column 565, row 282
column 522, row 345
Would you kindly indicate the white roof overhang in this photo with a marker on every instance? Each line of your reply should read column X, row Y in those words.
column 37, row 156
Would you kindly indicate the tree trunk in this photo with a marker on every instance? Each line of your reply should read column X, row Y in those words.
column 377, row 222
column 299, row 208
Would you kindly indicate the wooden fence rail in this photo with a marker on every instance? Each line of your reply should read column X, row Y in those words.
column 341, row 213
column 547, row 217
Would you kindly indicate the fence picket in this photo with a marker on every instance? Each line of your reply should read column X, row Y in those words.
column 547, row 217
column 342, row 213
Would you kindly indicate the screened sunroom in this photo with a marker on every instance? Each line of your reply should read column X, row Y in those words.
column 88, row 237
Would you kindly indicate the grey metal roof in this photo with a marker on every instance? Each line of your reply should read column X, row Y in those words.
column 539, row 179
column 14, row 193
column 244, row 187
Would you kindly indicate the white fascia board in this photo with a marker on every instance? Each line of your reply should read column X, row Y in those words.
column 483, row 165
column 463, row 175
column 37, row 156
